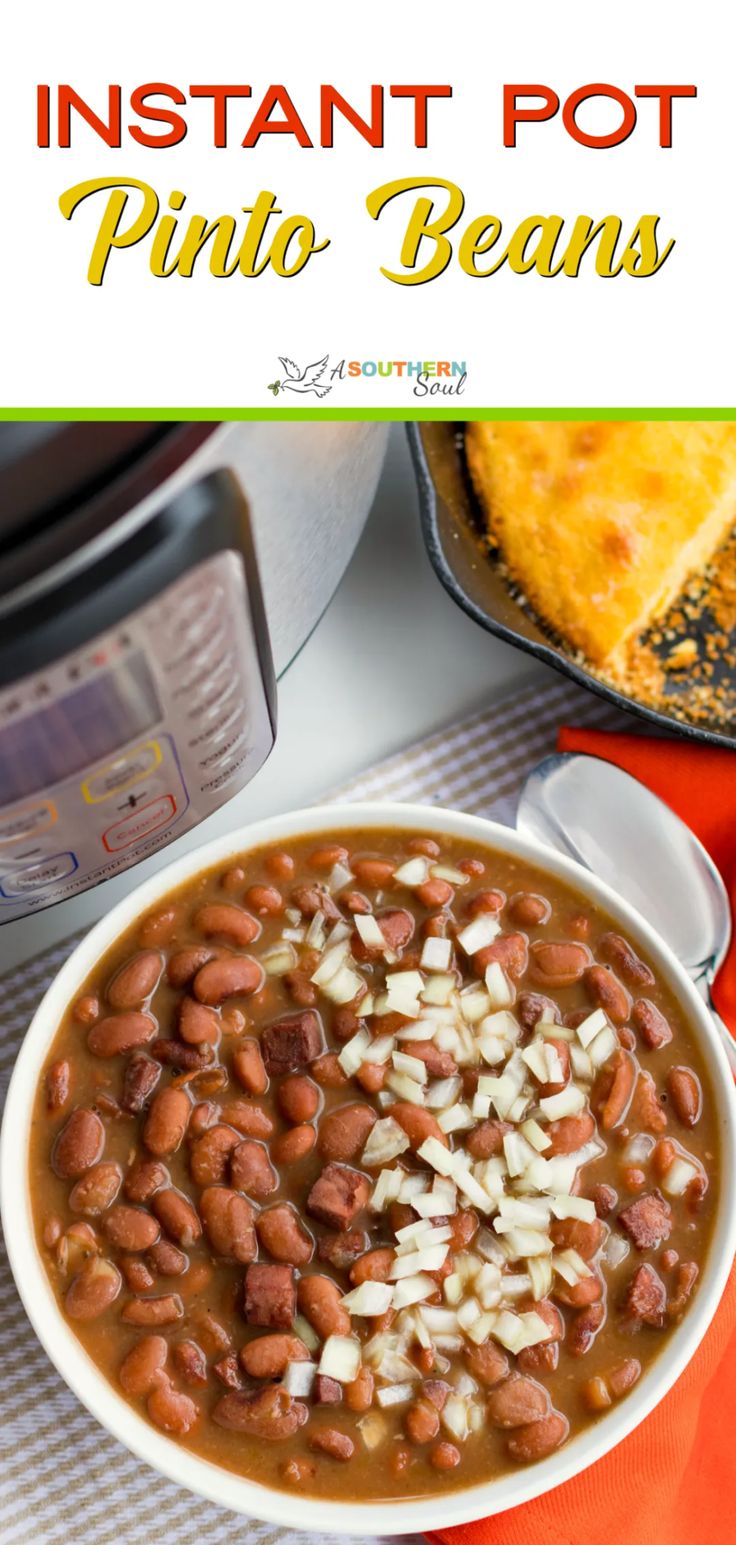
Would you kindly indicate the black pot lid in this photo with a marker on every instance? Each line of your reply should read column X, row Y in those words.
column 60, row 483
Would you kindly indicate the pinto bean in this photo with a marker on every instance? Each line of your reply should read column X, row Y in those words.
column 281, row 1233
column 251, row 1169
column 210, row 1155
column 318, row 1299
column 559, row 964
column 248, row 1067
column 624, row 1376
column 171, row 1410
column 167, row 1121
column 359, row 1394
column 86, row 1009
column 225, row 978
column 96, row 1189
column 516, row 1402
column 145, row 1177
column 57, row 1085
column 167, row 1260
column 444, row 1456
column 190, row 1362
column 311, row 899
column 174, row 1053
column 619, row 953
column 650, row 1023
column 487, row 1363
column 248, row 1118
column 683, row 1087
column 177, row 1216
column 184, row 965
column 343, row 1133
column 280, row 865
column 291, row 1147
column 221, row 919
column 79, row 1144
column 584, row 1328
column 538, row 1439
column 118, row 1033
column 464, row 1225
column 439, row 1064
column 422, row 1421
column 266, row 1357
column 329, row 1440
column 327, row 1071
column 270, row 1414
column 130, row 1228
column 587, row 1291
column 141, row 1369
column 197, row 1024
column 528, row 909
column 510, row 951
column 646, row 1111
column 613, row 1088
column 574, row 1234
column 569, row 1133
column 93, row 1290
column 298, row 1098
column 228, row 1220
column 164, row 1310
column 265, row 900
column 134, row 982
column 540, row 1359
column 608, row 993
column 417, row 1123
column 375, row 873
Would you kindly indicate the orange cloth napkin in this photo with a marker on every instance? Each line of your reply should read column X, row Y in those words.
column 673, row 1481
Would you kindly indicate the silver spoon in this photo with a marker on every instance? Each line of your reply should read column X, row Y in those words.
column 613, row 825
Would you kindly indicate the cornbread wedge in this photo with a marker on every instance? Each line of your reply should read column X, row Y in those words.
column 601, row 524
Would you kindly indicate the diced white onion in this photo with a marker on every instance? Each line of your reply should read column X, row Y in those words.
column 370, row 1298
column 331, row 962
column 518, row 1152
column 306, row 1333
column 419, row 1260
column 535, row 1135
column 482, row 931
column 436, row 954
column 638, row 1149
column 455, row 1417
column 343, row 986
column 447, row 872
column 439, row 1321
column 458, row 1118
column 379, row 1051
column 406, row 1088
column 435, row 1154
column 353, row 1052
column 369, row 931
column 386, row 1189
column 438, row 990
column 386, row 1141
column 413, row 1067
column 498, row 986
column 540, row 1273
column 588, row 1030
column 474, row 1004
column 509, row 1330
column 678, row 1177
column 516, row 1284
column 316, row 932
column 616, row 1250
column 340, row 1358
column 298, row 1378
column 279, row 960
column 570, row 1266
column 372, row 1430
column 394, row 1394
column 567, row 1103
column 339, row 877
column 443, row 1092
column 412, row 1290
column 574, row 1207
column 413, row 872
column 580, row 1061
column 603, row 1047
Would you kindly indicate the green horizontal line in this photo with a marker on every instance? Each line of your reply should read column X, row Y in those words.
column 395, row 414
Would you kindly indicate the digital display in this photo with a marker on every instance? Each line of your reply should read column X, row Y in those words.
column 73, row 732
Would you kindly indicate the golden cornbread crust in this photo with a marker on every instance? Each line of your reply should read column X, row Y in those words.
column 601, row 524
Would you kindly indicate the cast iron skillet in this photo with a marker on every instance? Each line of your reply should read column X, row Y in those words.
column 452, row 527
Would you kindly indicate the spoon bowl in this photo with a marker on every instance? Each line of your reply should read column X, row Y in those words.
column 589, row 810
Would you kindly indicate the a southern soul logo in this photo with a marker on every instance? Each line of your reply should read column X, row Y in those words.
column 424, row 377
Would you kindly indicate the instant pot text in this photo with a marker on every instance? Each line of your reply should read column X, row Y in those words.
column 436, row 229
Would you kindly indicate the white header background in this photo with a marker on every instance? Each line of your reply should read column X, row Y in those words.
column 139, row 341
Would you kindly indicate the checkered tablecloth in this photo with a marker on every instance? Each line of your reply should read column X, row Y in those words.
column 61, row 1476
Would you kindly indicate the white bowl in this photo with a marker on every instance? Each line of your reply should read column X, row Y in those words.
column 199, row 1475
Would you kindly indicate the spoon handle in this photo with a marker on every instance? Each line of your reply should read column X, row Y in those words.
column 727, row 1040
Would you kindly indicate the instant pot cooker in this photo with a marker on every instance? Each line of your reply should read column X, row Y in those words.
column 155, row 579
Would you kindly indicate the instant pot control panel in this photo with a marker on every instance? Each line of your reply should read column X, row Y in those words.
column 127, row 743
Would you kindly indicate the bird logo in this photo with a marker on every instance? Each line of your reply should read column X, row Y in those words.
column 296, row 380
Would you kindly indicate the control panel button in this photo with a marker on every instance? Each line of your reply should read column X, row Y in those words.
column 140, row 823
column 38, row 876
column 28, row 822
column 122, row 772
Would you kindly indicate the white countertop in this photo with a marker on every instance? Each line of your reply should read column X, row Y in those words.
column 392, row 659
